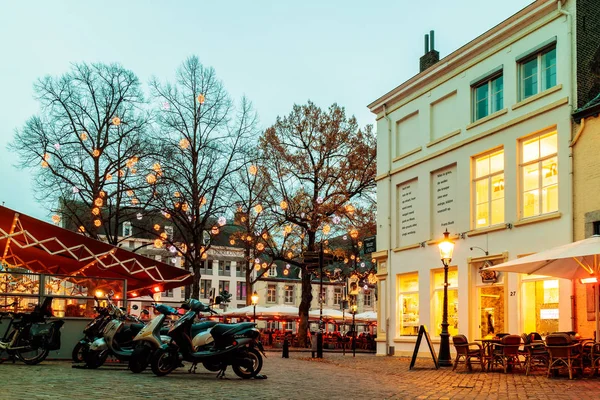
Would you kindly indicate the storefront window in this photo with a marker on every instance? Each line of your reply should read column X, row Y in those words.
column 438, row 300
column 540, row 306
column 408, row 289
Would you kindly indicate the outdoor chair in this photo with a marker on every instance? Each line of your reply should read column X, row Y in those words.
column 535, row 353
column 467, row 353
column 594, row 357
column 506, row 353
column 563, row 353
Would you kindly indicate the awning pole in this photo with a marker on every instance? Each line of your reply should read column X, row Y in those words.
column 596, row 300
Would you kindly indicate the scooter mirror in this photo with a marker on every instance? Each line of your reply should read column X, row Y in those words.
column 135, row 306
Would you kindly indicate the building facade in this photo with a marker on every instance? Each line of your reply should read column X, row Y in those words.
column 478, row 144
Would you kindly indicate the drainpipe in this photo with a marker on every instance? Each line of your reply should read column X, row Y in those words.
column 571, row 185
column 389, row 246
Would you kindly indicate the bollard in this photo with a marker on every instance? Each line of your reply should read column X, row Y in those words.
column 313, row 345
column 286, row 348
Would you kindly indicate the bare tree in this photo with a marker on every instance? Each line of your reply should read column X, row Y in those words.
column 86, row 146
column 322, row 167
column 201, row 141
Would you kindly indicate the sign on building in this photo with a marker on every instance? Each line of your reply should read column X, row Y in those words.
column 407, row 213
column 443, row 192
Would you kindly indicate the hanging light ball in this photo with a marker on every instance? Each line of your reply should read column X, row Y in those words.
column 156, row 167
column 287, row 229
column 96, row 153
column 177, row 194
column 56, row 218
column 257, row 266
column 366, row 287
column 95, row 211
column 260, row 247
column 172, row 249
column 57, row 146
column 158, row 243
column 200, row 98
column 139, row 216
column 326, row 229
column 102, row 194
column 185, row 207
column 362, row 264
column 345, row 237
column 264, row 265
column 285, row 272
column 204, row 256
column 257, row 261
column 319, row 200
column 283, row 205
column 202, row 201
column 81, row 228
column 258, row 208
column 98, row 202
column 265, row 235
column 336, row 220
column 287, row 266
column 184, row 143
column 231, row 242
column 222, row 221
column 83, row 136
column 121, row 173
column 252, row 169
column 116, row 121
column 290, row 255
column 163, row 235
column 360, row 244
column 129, row 192
column 156, row 227
column 350, row 209
column 215, row 230
column 151, row 178
column 75, row 189
column 354, row 233
column 44, row 164
column 97, row 223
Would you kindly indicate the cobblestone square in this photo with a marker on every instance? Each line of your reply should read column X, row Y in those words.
column 299, row 377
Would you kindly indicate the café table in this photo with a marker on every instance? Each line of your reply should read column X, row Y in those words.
column 487, row 345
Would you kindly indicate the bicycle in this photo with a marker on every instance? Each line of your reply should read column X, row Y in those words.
column 28, row 337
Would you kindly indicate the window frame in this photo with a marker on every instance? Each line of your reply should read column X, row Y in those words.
column 288, row 290
column 338, row 295
column 271, row 294
column 127, row 227
column 205, row 284
column 488, row 80
column 241, row 291
column 489, row 177
column 539, row 161
column 537, row 55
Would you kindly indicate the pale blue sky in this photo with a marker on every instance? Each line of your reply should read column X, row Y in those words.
column 275, row 52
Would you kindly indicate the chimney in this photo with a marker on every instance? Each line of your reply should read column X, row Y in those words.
column 431, row 56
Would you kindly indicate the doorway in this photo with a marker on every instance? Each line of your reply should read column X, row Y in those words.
column 491, row 310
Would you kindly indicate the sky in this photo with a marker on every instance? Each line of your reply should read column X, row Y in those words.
column 277, row 53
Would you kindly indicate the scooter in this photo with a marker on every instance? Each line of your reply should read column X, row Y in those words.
column 153, row 335
column 91, row 332
column 116, row 339
column 236, row 345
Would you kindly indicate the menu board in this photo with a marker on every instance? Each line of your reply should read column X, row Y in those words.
column 443, row 190
column 407, row 198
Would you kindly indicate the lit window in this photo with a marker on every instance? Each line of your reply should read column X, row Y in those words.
column 540, row 306
column 205, row 286
column 367, row 298
column 223, row 286
column 289, row 294
column 337, row 295
column 241, row 291
column 408, row 289
column 271, row 293
column 273, row 271
column 127, row 231
column 488, row 97
column 224, row 268
column 488, row 187
column 537, row 73
column 539, row 174
column 438, row 300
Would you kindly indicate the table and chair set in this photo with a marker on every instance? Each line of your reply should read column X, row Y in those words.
column 558, row 352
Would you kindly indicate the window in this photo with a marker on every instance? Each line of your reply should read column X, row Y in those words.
column 596, row 227
column 438, row 300
column 540, row 306
column 168, row 293
column 539, row 174
column 488, row 97
column 537, row 73
column 337, row 295
column 488, row 187
column 223, row 286
column 408, row 298
column 240, row 269
column 224, row 268
column 289, row 294
column 127, row 231
column 273, row 270
column 367, row 298
column 241, row 291
column 169, row 231
column 208, row 267
column 271, row 293
column 205, row 285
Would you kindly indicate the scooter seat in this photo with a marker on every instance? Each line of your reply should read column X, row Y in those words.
column 202, row 326
column 220, row 330
column 135, row 328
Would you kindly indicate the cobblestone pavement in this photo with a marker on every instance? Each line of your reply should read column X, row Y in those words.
column 299, row 377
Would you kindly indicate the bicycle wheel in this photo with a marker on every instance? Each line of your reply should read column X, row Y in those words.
column 30, row 355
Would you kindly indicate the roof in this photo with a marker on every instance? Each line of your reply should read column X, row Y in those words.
column 592, row 108
column 41, row 247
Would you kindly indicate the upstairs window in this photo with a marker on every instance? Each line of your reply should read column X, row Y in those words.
column 539, row 174
column 127, row 231
column 488, row 189
column 537, row 72
column 488, row 96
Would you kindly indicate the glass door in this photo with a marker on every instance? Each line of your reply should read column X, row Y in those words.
column 491, row 310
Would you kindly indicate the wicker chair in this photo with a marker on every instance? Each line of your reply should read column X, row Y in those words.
column 563, row 353
column 507, row 352
column 535, row 353
column 467, row 353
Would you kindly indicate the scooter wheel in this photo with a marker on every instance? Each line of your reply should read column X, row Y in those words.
column 249, row 364
column 164, row 361
column 78, row 351
column 139, row 359
column 94, row 359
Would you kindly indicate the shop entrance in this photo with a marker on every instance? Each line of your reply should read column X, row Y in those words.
column 491, row 310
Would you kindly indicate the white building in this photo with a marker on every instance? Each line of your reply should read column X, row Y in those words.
column 478, row 143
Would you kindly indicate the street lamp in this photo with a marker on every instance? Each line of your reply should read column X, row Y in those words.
column 254, row 298
column 354, row 308
column 446, row 247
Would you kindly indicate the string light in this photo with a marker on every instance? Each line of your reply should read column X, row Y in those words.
column 116, row 121
column 200, row 98
column 102, row 194
column 96, row 153
column 156, row 227
column 97, row 223
column 260, row 247
column 185, row 207
column 283, row 205
column 177, row 194
column 215, row 230
column 95, row 211
column 158, row 243
column 258, row 208
column 83, row 136
column 163, row 235
column 56, row 219
column 326, row 229
column 252, row 170
column 184, row 143
column 151, row 178
column 98, row 202
column 129, row 193
column 222, row 221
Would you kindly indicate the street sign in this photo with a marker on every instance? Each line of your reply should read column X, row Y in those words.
column 370, row 244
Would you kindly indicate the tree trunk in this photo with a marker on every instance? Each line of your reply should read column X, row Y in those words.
column 248, row 275
column 304, row 307
column 196, row 283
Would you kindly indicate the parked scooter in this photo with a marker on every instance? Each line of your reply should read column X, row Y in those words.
column 117, row 339
column 234, row 344
column 154, row 334
column 92, row 331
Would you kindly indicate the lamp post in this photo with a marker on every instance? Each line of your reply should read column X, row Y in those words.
column 446, row 247
column 354, row 309
column 254, row 298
